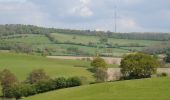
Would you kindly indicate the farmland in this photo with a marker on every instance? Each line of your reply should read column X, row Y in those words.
column 94, row 39
column 146, row 89
column 71, row 44
column 68, row 53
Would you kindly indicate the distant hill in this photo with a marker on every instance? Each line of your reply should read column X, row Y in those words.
column 66, row 42
column 11, row 29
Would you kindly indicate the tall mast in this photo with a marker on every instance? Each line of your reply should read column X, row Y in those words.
column 115, row 18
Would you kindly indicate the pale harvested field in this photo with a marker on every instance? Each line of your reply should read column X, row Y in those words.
column 109, row 60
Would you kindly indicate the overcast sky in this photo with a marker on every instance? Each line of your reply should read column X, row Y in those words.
column 132, row 15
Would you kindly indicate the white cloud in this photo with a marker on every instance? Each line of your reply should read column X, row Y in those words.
column 133, row 15
column 22, row 13
column 85, row 1
column 82, row 9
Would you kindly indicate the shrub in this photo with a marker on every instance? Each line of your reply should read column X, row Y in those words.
column 73, row 81
column 162, row 75
column 19, row 90
column 60, row 82
column 44, row 86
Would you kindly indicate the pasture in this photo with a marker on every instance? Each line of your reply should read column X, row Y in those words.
column 94, row 39
column 81, row 43
column 22, row 64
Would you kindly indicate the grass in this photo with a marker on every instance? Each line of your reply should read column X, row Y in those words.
column 146, row 89
column 41, row 42
column 21, row 65
column 61, row 49
column 86, row 39
column 30, row 39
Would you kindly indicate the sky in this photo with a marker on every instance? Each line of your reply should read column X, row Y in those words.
column 132, row 15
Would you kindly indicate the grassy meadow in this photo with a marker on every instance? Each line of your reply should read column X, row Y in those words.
column 21, row 65
column 30, row 39
column 145, row 89
column 67, row 41
column 94, row 39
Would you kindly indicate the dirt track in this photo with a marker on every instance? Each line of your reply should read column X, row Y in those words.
column 109, row 60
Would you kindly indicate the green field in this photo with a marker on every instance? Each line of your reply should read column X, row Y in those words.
column 61, row 49
column 39, row 42
column 146, row 89
column 21, row 65
column 30, row 39
column 94, row 39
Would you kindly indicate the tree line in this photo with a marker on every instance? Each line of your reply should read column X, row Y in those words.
column 11, row 29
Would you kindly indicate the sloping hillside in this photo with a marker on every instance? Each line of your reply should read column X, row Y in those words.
column 147, row 89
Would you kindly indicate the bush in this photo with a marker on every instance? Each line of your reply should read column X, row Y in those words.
column 19, row 90
column 60, row 83
column 44, row 86
column 162, row 75
column 73, row 81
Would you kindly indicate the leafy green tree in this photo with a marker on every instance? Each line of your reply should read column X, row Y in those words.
column 136, row 66
column 7, row 79
column 168, row 57
column 98, row 63
column 101, row 75
column 100, row 67
column 36, row 76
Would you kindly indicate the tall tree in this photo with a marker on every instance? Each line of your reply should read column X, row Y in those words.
column 136, row 66
column 37, row 76
column 168, row 57
column 7, row 79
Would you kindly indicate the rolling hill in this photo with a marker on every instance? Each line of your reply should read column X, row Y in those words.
column 54, row 42
column 146, row 89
